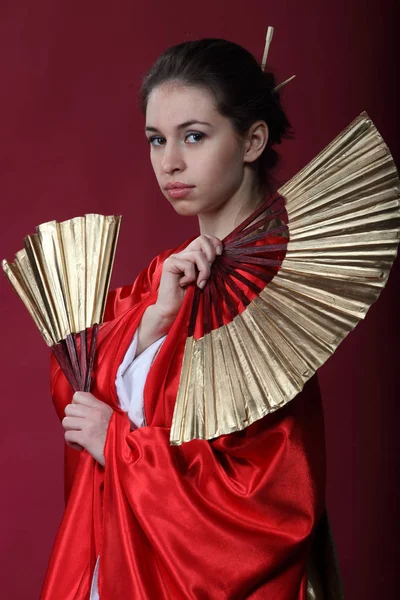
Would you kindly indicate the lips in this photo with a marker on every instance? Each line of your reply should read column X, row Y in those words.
column 177, row 185
column 179, row 193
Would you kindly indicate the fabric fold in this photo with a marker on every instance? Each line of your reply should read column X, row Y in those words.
column 231, row 518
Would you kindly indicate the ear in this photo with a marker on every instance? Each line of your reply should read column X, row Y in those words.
column 255, row 141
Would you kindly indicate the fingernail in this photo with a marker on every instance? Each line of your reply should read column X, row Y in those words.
column 202, row 284
column 219, row 250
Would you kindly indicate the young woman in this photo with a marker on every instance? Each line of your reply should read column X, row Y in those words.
column 229, row 518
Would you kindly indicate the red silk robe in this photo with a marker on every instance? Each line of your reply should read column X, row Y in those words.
column 226, row 519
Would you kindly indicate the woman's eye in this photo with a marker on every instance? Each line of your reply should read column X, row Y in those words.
column 199, row 136
column 156, row 138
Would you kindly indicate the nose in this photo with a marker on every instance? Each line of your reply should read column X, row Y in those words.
column 172, row 159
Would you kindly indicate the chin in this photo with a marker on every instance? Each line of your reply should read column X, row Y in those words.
column 186, row 208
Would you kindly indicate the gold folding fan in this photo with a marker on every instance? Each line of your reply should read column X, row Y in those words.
column 62, row 275
column 273, row 311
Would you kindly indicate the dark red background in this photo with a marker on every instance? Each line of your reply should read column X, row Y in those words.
column 71, row 141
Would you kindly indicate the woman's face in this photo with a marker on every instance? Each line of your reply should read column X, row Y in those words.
column 191, row 143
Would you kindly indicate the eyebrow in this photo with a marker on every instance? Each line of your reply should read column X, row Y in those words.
column 182, row 125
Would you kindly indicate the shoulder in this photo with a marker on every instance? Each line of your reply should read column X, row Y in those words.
column 122, row 298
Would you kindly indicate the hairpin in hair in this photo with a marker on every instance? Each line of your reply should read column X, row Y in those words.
column 280, row 85
column 268, row 40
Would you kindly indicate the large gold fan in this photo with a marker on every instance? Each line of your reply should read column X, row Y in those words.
column 62, row 275
column 273, row 311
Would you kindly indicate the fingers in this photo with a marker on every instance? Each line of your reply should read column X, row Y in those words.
column 91, row 438
column 192, row 265
column 75, row 446
column 178, row 265
column 86, row 407
column 86, row 423
column 77, row 410
column 76, row 423
column 209, row 244
column 216, row 243
column 186, row 262
column 204, row 267
column 86, row 399
column 73, row 437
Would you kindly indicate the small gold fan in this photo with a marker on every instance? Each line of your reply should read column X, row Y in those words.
column 62, row 275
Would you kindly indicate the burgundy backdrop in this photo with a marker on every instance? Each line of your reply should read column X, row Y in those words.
column 72, row 142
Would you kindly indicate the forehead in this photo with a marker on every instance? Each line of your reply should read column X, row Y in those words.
column 173, row 103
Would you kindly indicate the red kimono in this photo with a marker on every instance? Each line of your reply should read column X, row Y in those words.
column 227, row 519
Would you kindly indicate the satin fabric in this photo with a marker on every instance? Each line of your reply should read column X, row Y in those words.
column 231, row 518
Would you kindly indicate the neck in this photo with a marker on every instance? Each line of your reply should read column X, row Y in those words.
column 221, row 221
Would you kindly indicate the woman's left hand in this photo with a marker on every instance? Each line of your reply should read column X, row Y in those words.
column 86, row 423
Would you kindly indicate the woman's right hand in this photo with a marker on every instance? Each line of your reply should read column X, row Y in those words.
column 191, row 265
